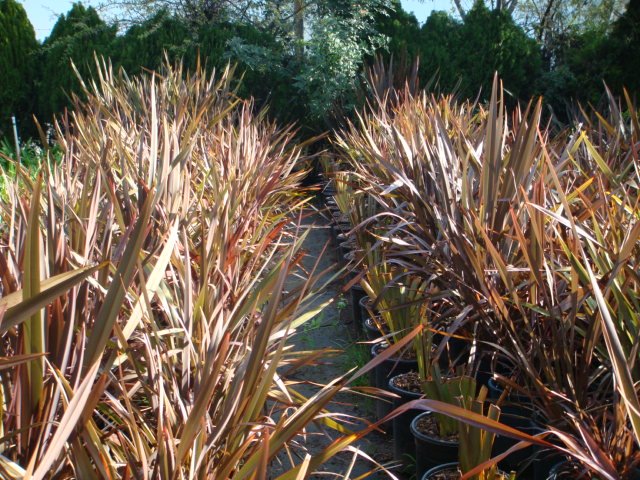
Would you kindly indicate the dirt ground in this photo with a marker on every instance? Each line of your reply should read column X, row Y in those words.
column 332, row 330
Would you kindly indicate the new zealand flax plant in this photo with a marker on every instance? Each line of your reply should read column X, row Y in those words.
column 491, row 209
column 599, row 212
column 398, row 298
column 462, row 175
column 144, row 317
column 566, row 301
column 596, row 428
column 475, row 443
column 423, row 160
column 405, row 160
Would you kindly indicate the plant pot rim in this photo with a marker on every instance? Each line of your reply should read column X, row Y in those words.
column 375, row 350
column 438, row 469
column 514, row 397
column 363, row 301
column 401, row 391
column 449, row 466
column 555, row 469
column 369, row 324
column 426, row 438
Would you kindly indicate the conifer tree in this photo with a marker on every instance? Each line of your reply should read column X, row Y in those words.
column 75, row 38
column 18, row 48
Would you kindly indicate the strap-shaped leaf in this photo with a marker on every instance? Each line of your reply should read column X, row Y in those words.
column 117, row 290
column 19, row 309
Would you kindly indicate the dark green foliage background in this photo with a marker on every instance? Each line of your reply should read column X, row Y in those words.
column 75, row 37
column 18, row 50
column 461, row 55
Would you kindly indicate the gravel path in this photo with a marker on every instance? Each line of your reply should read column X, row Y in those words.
column 330, row 330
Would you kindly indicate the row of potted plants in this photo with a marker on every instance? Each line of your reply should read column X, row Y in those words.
column 514, row 250
column 389, row 318
column 415, row 446
column 144, row 317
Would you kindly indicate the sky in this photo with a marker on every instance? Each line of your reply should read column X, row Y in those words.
column 43, row 13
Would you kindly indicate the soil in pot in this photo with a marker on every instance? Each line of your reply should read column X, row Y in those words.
column 381, row 374
column 431, row 449
column 407, row 387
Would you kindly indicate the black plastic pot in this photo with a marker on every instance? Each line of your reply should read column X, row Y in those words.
column 484, row 371
column 337, row 215
column 332, row 208
column 338, row 229
column 544, row 463
column 333, row 234
column 446, row 467
column 357, row 293
column 343, row 227
column 346, row 247
column 365, row 307
column 490, row 364
column 348, row 260
column 370, row 329
column 349, row 275
column 516, row 412
column 343, row 237
column 544, row 459
column 381, row 374
column 404, row 449
column 564, row 470
column 430, row 451
column 432, row 472
column 514, row 398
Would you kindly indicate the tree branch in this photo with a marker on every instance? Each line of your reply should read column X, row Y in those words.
column 544, row 20
column 511, row 6
column 461, row 10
